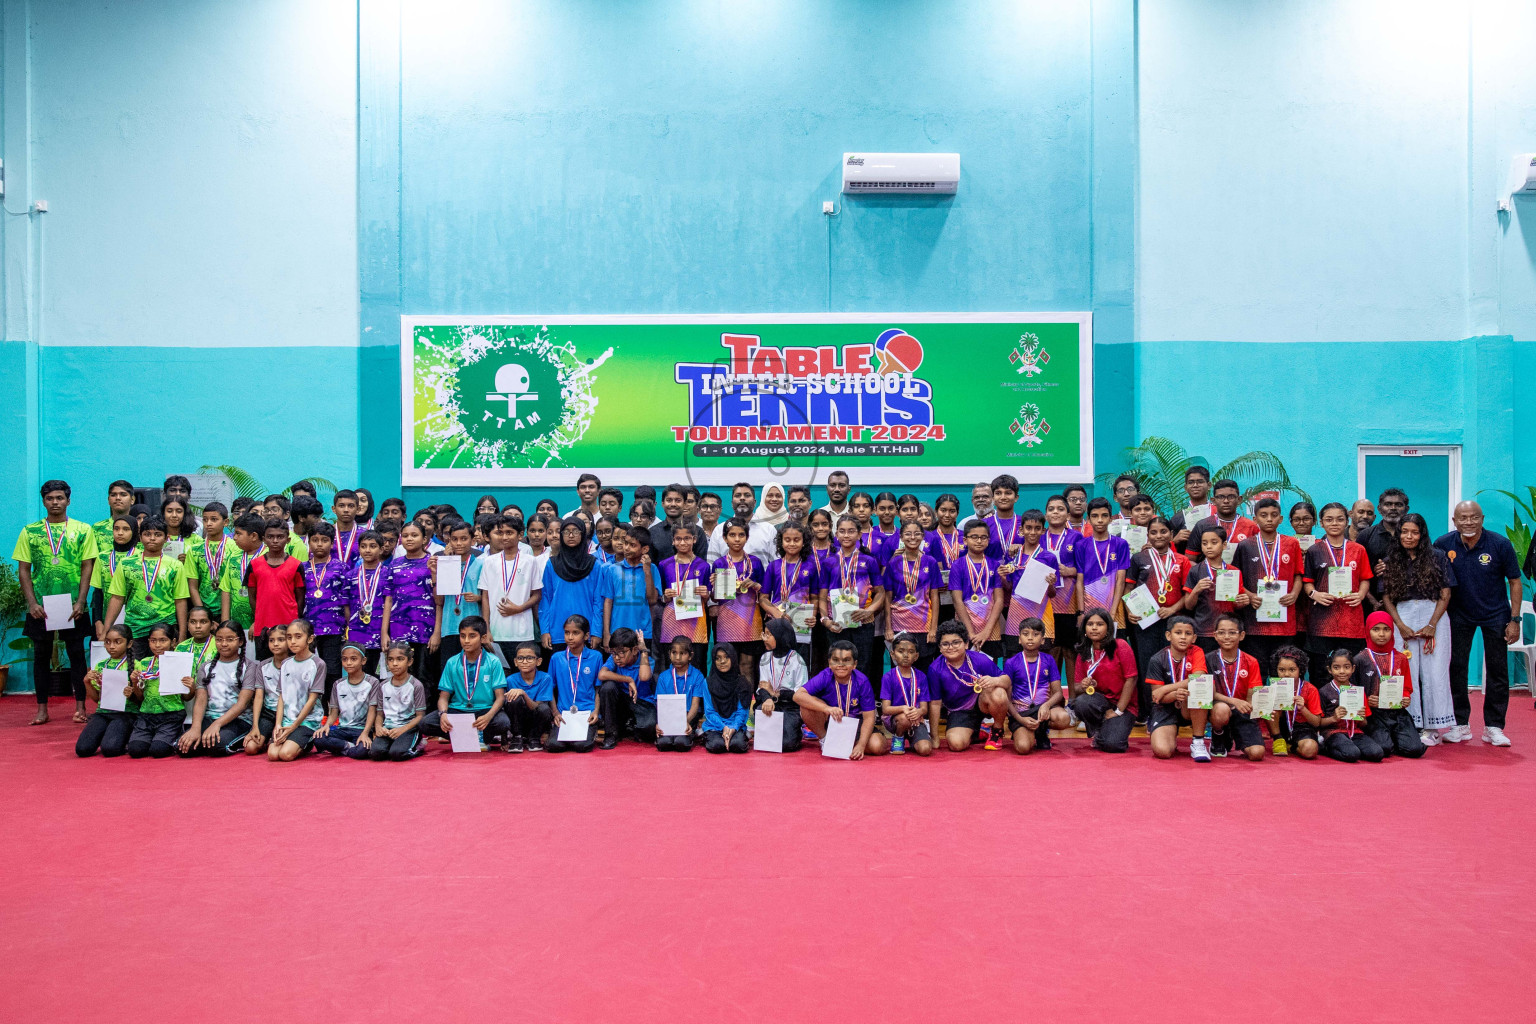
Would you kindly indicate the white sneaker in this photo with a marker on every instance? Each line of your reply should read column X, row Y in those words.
column 1494, row 736
column 1429, row 737
column 1198, row 750
column 1456, row 734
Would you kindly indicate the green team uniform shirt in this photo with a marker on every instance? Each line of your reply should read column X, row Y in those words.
column 103, row 531
column 154, row 703
column 145, row 607
column 70, row 543
column 107, row 561
column 130, row 706
column 298, row 549
column 205, row 569
column 201, row 652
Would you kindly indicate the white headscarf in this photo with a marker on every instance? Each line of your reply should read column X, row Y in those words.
column 762, row 515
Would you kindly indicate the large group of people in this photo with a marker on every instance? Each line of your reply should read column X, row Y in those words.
column 903, row 626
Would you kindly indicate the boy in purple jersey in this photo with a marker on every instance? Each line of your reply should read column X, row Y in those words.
column 970, row 686
column 904, row 703
column 1003, row 538
column 365, row 599
column 978, row 592
column 1062, row 541
column 1036, row 703
column 853, row 597
column 326, row 592
column 839, row 690
column 1031, row 527
column 1101, row 564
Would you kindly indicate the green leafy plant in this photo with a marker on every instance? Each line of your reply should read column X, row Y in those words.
column 13, row 612
column 247, row 486
column 1159, row 465
column 1524, row 514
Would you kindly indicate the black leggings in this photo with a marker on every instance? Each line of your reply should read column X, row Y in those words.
column 329, row 650
column 530, row 720
column 1113, row 736
column 106, row 731
column 401, row 748
column 231, row 739
column 155, row 735
column 1394, row 732
column 1350, row 749
column 715, row 742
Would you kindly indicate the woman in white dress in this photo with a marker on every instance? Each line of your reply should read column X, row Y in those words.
column 1416, row 580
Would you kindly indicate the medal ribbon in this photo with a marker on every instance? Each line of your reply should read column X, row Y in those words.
column 150, row 577
column 1229, row 681
column 55, row 546
column 1161, row 571
column 1270, row 560
column 1034, row 680
column 788, row 571
column 473, row 684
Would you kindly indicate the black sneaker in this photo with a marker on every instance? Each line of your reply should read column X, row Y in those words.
column 609, row 742
column 514, row 744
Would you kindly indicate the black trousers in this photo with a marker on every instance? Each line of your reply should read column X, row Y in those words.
column 1113, row 736
column 1495, row 667
column 1350, row 749
column 401, row 748
column 341, row 740
column 820, row 638
column 784, row 704
column 106, row 731
column 231, row 739
column 155, row 735
column 715, row 742
column 495, row 730
column 1394, row 732
column 329, row 650
column 555, row 746
column 678, row 743
column 530, row 719
column 617, row 709
column 42, row 657
column 869, row 647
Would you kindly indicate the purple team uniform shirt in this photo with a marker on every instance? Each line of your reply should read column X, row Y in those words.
column 908, row 583
column 326, row 592
column 369, row 583
column 1096, row 564
column 1032, row 679
column 1063, row 546
column 954, row 687
column 855, row 697
column 409, row 582
column 897, row 687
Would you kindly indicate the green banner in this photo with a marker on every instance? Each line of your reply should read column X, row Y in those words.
column 898, row 398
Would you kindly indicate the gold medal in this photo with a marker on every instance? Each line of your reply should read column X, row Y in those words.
column 365, row 617
column 317, row 591
column 1088, row 689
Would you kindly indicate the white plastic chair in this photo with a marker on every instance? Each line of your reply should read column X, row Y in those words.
column 1526, row 648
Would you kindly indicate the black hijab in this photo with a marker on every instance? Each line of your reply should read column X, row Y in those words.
column 573, row 564
column 783, row 637
column 728, row 690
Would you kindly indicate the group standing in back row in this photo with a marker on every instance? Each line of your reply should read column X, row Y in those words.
column 870, row 575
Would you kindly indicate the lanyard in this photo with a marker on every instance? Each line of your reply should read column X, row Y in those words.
column 1391, row 669
column 1337, row 557
column 1034, row 679
column 150, row 577
column 325, row 568
column 200, row 656
column 346, row 548
column 844, row 700
column 473, row 684
column 1101, row 555
column 979, row 577
column 1161, row 571
column 464, row 565
column 1061, row 540
column 950, row 545
column 910, row 573
column 215, row 557
column 966, row 674
column 677, row 681
column 366, row 590
column 902, row 681
column 509, row 575
column 1013, row 532
column 849, row 568
column 54, row 546
column 573, row 671
column 1270, row 560
column 1173, row 670
column 1229, row 681
column 788, row 573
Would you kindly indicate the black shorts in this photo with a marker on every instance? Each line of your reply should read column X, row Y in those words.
column 303, row 735
column 917, row 732
column 967, row 718
column 1245, row 731
column 1165, row 715
column 1303, row 731
column 267, row 722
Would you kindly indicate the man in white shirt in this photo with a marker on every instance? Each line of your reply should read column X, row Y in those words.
column 762, row 538
column 837, row 493
column 981, row 504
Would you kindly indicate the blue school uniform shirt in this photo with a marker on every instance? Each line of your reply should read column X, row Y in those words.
column 714, row 722
column 624, row 584
column 690, row 683
column 561, row 599
column 455, row 608
column 542, row 688
column 578, row 674
column 468, row 690
column 645, row 689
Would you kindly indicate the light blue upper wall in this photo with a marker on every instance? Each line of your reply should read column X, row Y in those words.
column 673, row 157
column 199, row 162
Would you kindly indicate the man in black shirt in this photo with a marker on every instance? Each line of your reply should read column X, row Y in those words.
column 1378, row 538
column 661, row 532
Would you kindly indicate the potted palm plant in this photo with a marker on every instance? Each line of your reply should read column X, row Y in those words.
column 13, row 612
column 1159, row 464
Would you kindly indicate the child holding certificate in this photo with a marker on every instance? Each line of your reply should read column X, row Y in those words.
column 836, row 692
column 681, row 679
column 108, row 730
column 912, row 583
column 1236, row 674
column 781, row 671
column 1105, row 697
column 1205, row 600
column 684, row 596
column 1163, row 571
column 792, row 588
column 1295, row 727
column 473, row 683
column 1344, row 713
column 1173, row 672
column 574, row 673
column 1382, row 669
column 1036, row 702
column 1034, row 564
column 1336, row 577
column 736, row 583
column 157, row 726
column 853, row 597
column 978, row 593
column 1271, row 566
column 904, row 704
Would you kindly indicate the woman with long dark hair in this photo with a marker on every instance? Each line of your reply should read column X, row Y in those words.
column 1416, row 580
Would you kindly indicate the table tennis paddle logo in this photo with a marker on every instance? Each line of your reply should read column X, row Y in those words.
column 898, row 352
column 1030, row 428
column 1028, row 355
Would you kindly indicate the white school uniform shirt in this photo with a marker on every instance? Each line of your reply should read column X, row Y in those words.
column 299, row 680
column 351, row 700
column 787, row 673
column 762, row 541
column 526, row 576
column 399, row 704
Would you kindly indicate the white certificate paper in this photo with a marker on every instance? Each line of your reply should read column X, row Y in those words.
column 1352, row 703
column 725, row 584
column 113, row 682
column 1195, row 513
column 174, row 666
column 1306, row 541
column 840, row 738
column 842, row 610
column 689, row 607
column 1341, row 580
column 573, row 727
column 1389, row 694
column 1270, row 609
column 768, row 732
column 672, row 714
column 1263, row 701
column 1285, row 693
column 99, row 653
column 1228, row 583
column 1135, row 536
column 1141, row 605
column 464, row 737
column 802, row 617
column 1229, row 552
column 58, row 611
column 449, row 581
column 1202, row 691
column 1033, row 581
